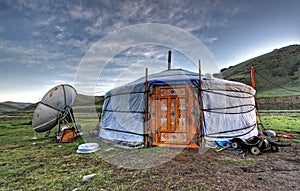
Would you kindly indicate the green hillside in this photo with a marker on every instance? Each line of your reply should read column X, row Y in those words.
column 12, row 106
column 277, row 73
column 82, row 103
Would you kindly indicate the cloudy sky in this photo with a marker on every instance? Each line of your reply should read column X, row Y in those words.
column 46, row 43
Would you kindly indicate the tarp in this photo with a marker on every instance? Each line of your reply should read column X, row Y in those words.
column 228, row 107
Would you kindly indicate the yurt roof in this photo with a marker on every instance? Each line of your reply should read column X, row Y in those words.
column 179, row 76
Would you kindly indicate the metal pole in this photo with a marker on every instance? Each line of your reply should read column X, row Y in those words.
column 169, row 60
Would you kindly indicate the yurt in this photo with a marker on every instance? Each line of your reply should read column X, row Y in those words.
column 178, row 108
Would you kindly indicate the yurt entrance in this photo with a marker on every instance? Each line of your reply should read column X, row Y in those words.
column 173, row 116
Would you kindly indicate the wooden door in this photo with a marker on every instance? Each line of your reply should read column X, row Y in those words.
column 172, row 119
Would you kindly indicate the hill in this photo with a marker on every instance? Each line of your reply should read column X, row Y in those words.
column 277, row 73
column 9, row 106
column 85, row 103
column 82, row 103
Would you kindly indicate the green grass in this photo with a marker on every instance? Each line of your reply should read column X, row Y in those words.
column 282, row 124
column 277, row 92
column 44, row 164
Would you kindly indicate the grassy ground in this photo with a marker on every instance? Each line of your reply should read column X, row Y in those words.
column 44, row 164
column 283, row 124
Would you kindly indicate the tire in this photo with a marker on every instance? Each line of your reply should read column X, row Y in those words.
column 235, row 145
column 254, row 150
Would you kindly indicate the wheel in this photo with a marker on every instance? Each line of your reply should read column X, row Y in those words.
column 234, row 145
column 255, row 150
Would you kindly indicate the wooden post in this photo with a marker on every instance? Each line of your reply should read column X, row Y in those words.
column 201, row 106
column 146, row 109
column 253, row 86
column 252, row 77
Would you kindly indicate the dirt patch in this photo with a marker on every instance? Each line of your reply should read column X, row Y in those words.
column 227, row 171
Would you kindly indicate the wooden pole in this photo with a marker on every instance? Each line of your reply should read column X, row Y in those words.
column 252, row 77
column 201, row 106
column 256, row 109
column 146, row 109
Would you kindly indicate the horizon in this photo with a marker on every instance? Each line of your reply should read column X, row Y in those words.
column 71, row 83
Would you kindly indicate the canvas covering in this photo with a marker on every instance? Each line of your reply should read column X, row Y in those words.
column 228, row 107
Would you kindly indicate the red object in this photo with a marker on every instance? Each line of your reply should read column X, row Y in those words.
column 252, row 77
column 287, row 136
column 67, row 136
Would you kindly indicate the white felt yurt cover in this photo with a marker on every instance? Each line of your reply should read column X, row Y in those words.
column 228, row 107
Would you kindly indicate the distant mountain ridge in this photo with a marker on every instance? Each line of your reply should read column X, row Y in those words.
column 9, row 106
column 277, row 74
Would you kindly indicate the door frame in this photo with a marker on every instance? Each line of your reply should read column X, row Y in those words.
column 186, row 138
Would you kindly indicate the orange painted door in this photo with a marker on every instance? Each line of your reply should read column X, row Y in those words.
column 172, row 118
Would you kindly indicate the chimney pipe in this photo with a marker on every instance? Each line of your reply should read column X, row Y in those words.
column 169, row 60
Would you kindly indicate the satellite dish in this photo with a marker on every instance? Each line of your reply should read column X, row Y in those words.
column 54, row 108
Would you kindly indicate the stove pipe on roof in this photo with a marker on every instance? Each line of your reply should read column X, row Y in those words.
column 169, row 60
